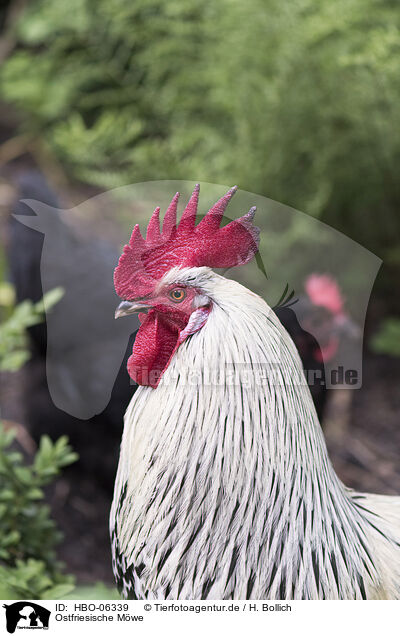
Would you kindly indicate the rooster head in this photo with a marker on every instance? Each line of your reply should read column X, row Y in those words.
column 328, row 321
column 171, row 307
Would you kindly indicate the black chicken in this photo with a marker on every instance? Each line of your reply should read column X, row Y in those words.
column 79, row 323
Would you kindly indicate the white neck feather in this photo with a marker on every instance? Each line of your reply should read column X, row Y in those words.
column 230, row 483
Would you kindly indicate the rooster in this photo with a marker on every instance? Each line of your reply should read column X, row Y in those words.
column 326, row 330
column 224, row 487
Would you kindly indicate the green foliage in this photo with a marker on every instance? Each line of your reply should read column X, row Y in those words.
column 14, row 351
column 100, row 85
column 293, row 99
column 29, row 579
column 28, row 566
column 28, row 538
column 387, row 340
column 98, row 591
column 7, row 296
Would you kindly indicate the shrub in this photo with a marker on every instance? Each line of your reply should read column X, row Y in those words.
column 293, row 100
column 28, row 565
column 14, row 350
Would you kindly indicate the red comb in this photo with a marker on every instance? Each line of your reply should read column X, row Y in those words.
column 143, row 262
column 324, row 291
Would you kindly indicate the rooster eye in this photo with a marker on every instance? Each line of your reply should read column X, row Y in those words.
column 177, row 295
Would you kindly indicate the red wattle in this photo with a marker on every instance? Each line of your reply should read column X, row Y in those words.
column 328, row 351
column 154, row 345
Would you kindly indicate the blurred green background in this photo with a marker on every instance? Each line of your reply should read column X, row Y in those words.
column 296, row 100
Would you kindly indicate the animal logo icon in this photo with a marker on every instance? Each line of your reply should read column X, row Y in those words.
column 26, row 615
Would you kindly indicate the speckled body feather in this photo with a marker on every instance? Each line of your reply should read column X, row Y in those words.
column 225, row 489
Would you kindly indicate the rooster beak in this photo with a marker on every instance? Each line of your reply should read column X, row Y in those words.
column 126, row 308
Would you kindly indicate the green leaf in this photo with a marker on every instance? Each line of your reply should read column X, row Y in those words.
column 387, row 339
column 50, row 299
column 35, row 493
column 10, row 539
column 58, row 592
column 28, row 567
column 14, row 360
